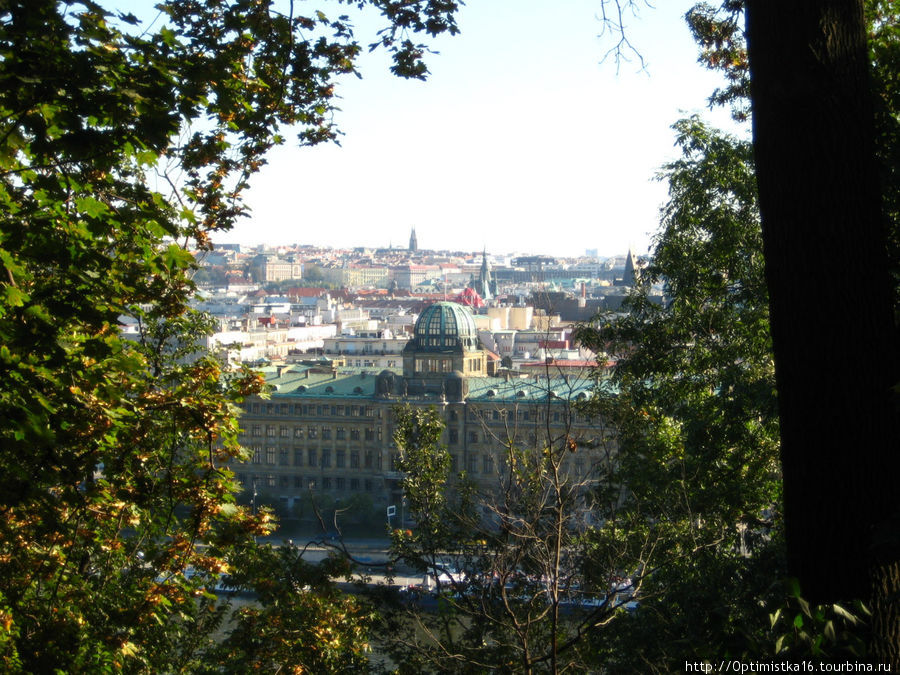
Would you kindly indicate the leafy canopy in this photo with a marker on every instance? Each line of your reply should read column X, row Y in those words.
column 121, row 146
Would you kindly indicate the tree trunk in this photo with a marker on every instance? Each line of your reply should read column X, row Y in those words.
column 834, row 338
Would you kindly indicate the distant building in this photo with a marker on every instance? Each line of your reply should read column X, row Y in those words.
column 631, row 273
column 322, row 430
column 413, row 242
column 484, row 279
column 268, row 269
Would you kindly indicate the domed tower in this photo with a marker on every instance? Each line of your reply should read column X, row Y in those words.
column 444, row 341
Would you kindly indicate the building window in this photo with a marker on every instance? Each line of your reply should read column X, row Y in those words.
column 339, row 459
column 453, row 464
column 395, row 458
column 298, row 482
column 283, row 456
column 340, row 434
column 270, row 455
column 312, row 432
column 367, row 484
column 487, row 464
column 354, row 484
column 454, row 416
column 312, row 484
column 354, row 434
column 285, row 432
column 368, row 459
column 270, row 430
column 256, row 430
column 311, row 457
column 340, row 483
column 473, row 437
column 298, row 432
column 283, row 481
column 257, row 454
column 354, row 411
column 326, row 457
column 495, row 415
column 454, row 436
column 326, row 434
column 270, row 480
column 326, row 482
column 370, row 434
column 473, row 463
column 298, row 456
column 354, row 459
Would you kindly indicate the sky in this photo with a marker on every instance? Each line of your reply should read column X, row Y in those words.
column 521, row 140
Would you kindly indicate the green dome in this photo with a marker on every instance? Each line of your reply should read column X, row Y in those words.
column 443, row 326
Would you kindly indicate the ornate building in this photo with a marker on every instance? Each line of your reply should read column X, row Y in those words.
column 324, row 430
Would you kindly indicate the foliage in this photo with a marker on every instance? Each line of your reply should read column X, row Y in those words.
column 826, row 632
column 696, row 415
column 505, row 560
column 301, row 622
column 116, row 513
column 882, row 17
column 718, row 32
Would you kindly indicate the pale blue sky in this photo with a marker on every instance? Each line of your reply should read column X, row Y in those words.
column 520, row 140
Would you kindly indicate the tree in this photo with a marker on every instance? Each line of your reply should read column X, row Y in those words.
column 694, row 405
column 820, row 203
column 117, row 515
column 822, row 179
column 505, row 560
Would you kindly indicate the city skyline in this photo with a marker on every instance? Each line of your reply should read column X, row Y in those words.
column 521, row 140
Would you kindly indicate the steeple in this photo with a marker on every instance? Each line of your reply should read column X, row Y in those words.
column 629, row 278
column 484, row 277
column 413, row 242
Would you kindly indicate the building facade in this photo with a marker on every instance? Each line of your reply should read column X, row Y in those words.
column 325, row 430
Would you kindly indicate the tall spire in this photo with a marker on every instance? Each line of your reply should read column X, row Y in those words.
column 413, row 242
column 630, row 276
column 484, row 277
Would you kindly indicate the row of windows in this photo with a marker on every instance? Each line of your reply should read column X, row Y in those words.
column 311, row 432
column 477, row 463
column 314, row 458
column 299, row 482
column 311, row 409
column 434, row 365
column 501, row 415
column 341, row 434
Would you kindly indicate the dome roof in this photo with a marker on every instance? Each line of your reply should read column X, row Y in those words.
column 446, row 325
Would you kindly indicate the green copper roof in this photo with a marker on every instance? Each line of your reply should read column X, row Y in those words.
column 445, row 325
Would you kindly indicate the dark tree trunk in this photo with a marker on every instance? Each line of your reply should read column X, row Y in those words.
column 836, row 351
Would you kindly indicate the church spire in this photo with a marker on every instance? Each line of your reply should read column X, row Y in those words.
column 413, row 242
column 484, row 277
column 630, row 276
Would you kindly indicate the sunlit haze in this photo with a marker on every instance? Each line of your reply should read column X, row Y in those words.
column 520, row 140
